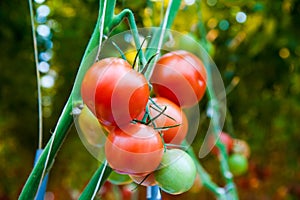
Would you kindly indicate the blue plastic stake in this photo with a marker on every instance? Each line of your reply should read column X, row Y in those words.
column 153, row 193
column 42, row 190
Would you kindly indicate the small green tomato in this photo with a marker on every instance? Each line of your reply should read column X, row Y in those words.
column 177, row 172
column 238, row 164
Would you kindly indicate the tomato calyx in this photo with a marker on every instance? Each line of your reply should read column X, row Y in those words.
column 150, row 120
column 139, row 50
column 147, row 64
column 146, row 180
column 119, row 50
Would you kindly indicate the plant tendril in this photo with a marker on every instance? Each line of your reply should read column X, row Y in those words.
column 138, row 52
column 119, row 50
column 148, row 63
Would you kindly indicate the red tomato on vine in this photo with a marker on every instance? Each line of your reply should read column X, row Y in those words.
column 179, row 76
column 136, row 149
column 114, row 92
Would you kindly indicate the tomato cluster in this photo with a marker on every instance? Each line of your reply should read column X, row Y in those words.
column 143, row 130
column 238, row 151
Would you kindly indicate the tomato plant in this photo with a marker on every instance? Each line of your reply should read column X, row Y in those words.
column 177, row 172
column 171, row 117
column 179, row 76
column 135, row 149
column 238, row 164
column 114, row 92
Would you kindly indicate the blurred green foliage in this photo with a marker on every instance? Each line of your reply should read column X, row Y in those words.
column 258, row 59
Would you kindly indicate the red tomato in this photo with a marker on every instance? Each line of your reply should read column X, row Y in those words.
column 136, row 149
column 173, row 115
column 227, row 140
column 114, row 92
column 181, row 77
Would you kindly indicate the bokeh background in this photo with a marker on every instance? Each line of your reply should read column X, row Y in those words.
column 255, row 44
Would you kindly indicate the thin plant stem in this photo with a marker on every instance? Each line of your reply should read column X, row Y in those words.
column 38, row 80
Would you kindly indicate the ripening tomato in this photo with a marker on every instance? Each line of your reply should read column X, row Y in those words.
column 173, row 115
column 179, row 76
column 227, row 140
column 177, row 172
column 241, row 147
column 114, row 92
column 136, row 149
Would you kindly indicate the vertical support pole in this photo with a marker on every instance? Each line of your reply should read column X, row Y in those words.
column 42, row 189
column 153, row 193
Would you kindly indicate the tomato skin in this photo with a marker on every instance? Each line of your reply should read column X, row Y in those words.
column 177, row 173
column 174, row 135
column 114, row 92
column 179, row 76
column 136, row 149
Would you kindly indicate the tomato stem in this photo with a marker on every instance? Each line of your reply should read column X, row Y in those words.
column 157, row 116
column 117, row 19
column 119, row 50
column 138, row 52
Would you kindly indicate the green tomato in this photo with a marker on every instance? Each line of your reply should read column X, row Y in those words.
column 119, row 179
column 177, row 172
column 91, row 133
column 238, row 164
column 90, row 128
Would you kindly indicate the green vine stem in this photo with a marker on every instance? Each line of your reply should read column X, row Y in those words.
column 31, row 186
column 117, row 19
